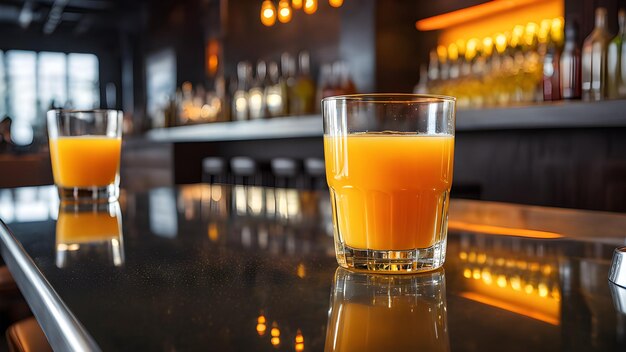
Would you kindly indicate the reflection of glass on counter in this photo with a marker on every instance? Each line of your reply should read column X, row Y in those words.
column 387, row 313
column 86, row 231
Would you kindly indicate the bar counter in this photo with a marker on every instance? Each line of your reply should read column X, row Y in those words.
column 231, row 268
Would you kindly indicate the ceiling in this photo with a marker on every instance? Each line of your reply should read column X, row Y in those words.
column 49, row 16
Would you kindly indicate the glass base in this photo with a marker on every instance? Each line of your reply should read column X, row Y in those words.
column 89, row 194
column 392, row 262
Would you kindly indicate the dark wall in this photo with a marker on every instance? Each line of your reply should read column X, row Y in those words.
column 582, row 11
column 179, row 25
column 400, row 47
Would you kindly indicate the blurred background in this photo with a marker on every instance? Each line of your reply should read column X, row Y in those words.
column 228, row 91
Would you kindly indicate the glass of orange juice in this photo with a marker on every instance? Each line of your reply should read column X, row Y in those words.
column 85, row 149
column 389, row 169
column 89, row 233
column 387, row 313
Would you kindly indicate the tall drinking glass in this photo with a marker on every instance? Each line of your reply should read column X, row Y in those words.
column 389, row 168
column 85, row 149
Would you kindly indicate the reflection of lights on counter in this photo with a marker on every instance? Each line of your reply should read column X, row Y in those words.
column 275, row 332
column 260, row 325
column 213, row 232
column 301, row 271
column 299, row 341
column 543, row 290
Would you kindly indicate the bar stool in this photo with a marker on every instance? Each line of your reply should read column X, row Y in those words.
column 285, row 171
column 26, row 336
column 245, row 171
column 213, row 170
column 315, row 170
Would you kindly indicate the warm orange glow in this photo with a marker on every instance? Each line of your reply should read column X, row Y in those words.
column 212, row 52
column 500, row 43
column 502, row 22
column 453, row 52
column 260, row 326
column 500, row 230
column 275, row 341
column 213, row 232
column 284, row 11
column 469, row 14
column 301, row 271
column 442, row 53
column 275, row 332
column 488, row 45
column 299, row 341
column 510, row 307
column 260, row 329
column 296, row 4
column 335, row 3
column 268, row 13
column 310, row 6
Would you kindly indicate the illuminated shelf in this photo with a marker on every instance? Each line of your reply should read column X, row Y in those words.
column 577, row 114
column 276, row 128
column 545, row 116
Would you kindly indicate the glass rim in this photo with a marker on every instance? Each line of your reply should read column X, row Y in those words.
column 391, row 98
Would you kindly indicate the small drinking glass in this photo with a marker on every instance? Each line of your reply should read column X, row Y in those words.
column 85, row 148
column 372, row 312
column 389, row 161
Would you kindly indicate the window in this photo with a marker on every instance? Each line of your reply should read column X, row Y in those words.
column 31, row 83
column 52, row 80
column 161, row 83
column 84, row 90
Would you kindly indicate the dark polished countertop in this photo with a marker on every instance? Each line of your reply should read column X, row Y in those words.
column 232, row 268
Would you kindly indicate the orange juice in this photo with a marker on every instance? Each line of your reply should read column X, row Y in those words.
column 395, row 324
column 85, row 161
column 389, row 191
column 86, row 227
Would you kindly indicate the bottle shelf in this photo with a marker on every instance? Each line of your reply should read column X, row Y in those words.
column 563, row 114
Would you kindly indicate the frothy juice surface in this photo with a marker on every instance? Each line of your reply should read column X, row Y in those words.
column 85, row 161
column 389, row 191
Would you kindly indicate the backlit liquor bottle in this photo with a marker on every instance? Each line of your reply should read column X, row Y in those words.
column 288, row 80
column 616, row 60
column 303, row 98
column 422, row 85
column 256, row 103
column 594, row 59
column 570, row 64
column 240, row 98
column 346, row 83
column 324, row 85
column 275, row 98
column 551, row 72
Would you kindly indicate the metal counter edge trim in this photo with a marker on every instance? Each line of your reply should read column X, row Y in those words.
column 63, row 330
